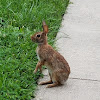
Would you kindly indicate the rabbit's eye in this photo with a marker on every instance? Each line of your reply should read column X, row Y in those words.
column 38, row 35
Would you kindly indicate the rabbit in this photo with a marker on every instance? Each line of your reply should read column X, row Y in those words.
column 57, row 66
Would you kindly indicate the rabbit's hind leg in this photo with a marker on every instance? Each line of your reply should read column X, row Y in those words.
column 47, row 82
column 55, row 79
column 58, row 77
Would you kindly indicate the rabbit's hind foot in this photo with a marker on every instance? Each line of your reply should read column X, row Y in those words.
column 47, row 82
column 53, row 85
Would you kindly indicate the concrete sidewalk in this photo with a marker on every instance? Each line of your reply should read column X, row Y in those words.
column 81, row 49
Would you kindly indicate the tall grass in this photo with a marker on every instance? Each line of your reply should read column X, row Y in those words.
column 18, row 20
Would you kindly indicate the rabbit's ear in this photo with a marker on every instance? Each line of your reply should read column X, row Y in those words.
column 45, row 28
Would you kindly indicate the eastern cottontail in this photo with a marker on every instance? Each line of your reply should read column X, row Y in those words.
column 57, row 66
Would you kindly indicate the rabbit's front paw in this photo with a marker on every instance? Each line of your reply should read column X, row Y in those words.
column 35, row 71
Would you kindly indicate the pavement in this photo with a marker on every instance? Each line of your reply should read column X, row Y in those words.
column 78, row 40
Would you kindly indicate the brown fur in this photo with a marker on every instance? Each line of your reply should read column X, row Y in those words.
column 58, row 67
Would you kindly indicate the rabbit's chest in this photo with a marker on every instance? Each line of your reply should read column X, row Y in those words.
column 37, row 52
column 41, row 54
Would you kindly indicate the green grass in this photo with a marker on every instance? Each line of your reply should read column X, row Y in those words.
column 18, row 20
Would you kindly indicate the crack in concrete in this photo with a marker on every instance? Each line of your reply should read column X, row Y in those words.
column 84, row 79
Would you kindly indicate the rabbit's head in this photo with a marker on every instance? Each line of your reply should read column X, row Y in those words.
column 41, row 37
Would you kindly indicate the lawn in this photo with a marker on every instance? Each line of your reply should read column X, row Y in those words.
column 19, row 19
